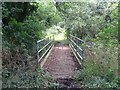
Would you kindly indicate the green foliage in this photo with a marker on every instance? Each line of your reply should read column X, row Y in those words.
column 29, row 79
column 99, row 70
column 87, row 19
column 109, row 35
column 26, row 22
column 44, row 80
column 23, row 24
column 96, row 23
column 94, row 81
column 17, row 10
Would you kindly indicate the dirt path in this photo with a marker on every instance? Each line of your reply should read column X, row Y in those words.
column 61, row 63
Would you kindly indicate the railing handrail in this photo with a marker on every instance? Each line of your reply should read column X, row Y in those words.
column 43, row 39
column 44, row 46
column 76, row 45
column 77, row 38
column 39, row 50
column 73, row 44
column 77, row 52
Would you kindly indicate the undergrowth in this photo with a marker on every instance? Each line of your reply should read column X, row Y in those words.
column 100, row 68
column 20, row 70
column 27, row 79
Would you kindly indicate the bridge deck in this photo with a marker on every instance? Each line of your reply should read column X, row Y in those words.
column 61, row 63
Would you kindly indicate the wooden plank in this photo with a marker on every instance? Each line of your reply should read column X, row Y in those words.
column 46, row 57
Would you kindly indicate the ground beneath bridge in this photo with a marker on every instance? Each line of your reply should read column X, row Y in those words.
column 61, row 63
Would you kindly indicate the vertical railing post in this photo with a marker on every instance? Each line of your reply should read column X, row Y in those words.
column 82, row 57
column 44, row 45
column 53, row 39
column 68, row 37
column 77, row 49
column 37, row 48
column 50, row 38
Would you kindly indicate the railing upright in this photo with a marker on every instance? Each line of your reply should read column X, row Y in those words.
column 37, row 50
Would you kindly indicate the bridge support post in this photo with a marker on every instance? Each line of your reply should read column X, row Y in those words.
column 44, row 45
column 83, row 57
column 37, row 48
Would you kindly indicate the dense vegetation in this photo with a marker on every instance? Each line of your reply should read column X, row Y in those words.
column 97, row 24
column 23, row 24
column 26, row 22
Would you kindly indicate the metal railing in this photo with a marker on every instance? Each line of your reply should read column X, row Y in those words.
column 43, row 46
column 76, row 44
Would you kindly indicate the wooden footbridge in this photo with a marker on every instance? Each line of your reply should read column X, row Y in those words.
column 61, row 60
column 46, row 45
